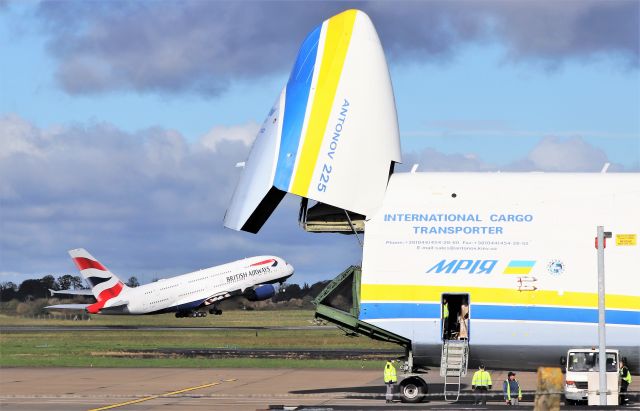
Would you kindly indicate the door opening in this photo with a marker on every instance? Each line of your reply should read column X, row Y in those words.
column 455, row 315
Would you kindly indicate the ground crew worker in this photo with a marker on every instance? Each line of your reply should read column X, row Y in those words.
column 510, row 387
column 481, row 383
column 390, row 378
column 445, row 318
column 463, row 320
column 625, row 380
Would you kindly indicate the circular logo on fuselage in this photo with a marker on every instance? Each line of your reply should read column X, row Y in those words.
column 555, row 267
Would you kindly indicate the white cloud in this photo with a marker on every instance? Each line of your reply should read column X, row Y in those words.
column 566, row 154
column 16, row 137
column 244, row 133
column 552, row 154
column 430, row 159
column 148, row 203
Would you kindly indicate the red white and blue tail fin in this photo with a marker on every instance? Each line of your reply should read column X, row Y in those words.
column 104, row 284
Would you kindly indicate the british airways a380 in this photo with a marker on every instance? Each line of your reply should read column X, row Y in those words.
column 188, row 295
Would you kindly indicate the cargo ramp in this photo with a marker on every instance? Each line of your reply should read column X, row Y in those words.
column 339, row 303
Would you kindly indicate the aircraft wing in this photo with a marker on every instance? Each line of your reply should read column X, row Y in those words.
column 222, row 296
column 215, row 298
column 71, row 292
column 256, row 292
column 249, row 292
column 80, row 307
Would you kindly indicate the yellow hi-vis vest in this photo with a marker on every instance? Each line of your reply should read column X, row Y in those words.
column 481, row 379
column 509, row 389
column 445, row 309
column 390, row 373
column 627, row 378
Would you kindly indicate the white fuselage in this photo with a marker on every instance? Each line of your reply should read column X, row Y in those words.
column 203, row 287
column 519, row 247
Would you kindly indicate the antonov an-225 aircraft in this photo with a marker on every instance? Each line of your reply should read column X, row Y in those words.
column 187, row 295
column 511, row 254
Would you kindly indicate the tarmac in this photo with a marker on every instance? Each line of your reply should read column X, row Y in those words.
column 167, row 389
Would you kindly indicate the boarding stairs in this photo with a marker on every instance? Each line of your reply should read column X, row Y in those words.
column 453, row 366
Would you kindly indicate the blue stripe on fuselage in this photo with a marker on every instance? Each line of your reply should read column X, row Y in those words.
column 295, row 107
column 498, row 312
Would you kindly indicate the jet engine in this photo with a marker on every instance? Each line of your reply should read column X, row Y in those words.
column 259, row 293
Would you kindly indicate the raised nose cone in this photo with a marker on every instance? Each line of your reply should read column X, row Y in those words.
column 337, row 105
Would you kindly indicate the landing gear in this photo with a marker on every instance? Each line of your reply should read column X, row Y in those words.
column 215, row 311
column 192, row 314
column 413, row 389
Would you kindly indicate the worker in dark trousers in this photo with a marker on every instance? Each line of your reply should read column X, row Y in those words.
column 511, row 389
column 481, row 384
column 390, row 379
column 625, row 380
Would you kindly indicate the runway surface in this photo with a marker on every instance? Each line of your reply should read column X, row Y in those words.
column 165, row 389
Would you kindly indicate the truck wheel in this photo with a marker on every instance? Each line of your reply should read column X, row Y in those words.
column 413, row 390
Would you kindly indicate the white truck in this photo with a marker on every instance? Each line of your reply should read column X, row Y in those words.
column 578, row 364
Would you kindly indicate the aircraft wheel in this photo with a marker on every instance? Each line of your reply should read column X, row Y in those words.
column 412, row 390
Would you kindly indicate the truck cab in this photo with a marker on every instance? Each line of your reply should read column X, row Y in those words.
column 577, row 365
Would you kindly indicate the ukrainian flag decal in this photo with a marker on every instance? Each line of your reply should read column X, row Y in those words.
column 522, row 267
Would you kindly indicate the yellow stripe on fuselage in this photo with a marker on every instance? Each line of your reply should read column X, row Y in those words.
column 339, row 30
column 426, row 293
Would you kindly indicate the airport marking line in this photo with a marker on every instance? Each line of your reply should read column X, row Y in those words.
column 151, row 397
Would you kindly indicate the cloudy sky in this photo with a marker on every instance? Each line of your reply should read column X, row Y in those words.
column 121, row 122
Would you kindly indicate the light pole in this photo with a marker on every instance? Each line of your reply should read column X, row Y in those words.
column 602, row 355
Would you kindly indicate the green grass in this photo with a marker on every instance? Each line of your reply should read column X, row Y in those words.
column 236, row 318
column 96, row 348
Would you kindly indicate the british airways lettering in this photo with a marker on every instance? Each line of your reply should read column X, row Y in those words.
column 243, row 275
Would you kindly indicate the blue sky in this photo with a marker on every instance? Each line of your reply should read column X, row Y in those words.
column 478, row 85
